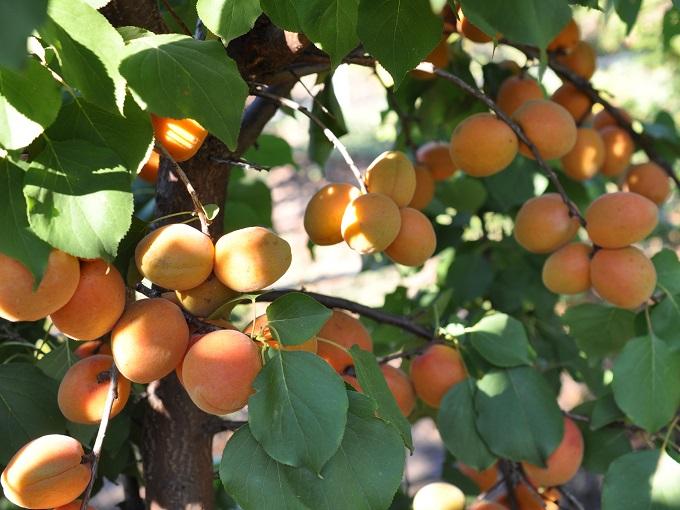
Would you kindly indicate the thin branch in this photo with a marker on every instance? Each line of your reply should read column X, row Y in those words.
column 243, row 163
column 572, row 499
column 407, row 354
column 216, row 424
column 315, row 100
column 177, row 19
column 507, row 472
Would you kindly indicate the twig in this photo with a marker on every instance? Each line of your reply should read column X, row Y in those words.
column 199, row 32
column 242, row 163
column 507, row 472
column 572, row 499
column 315, row 100
column 216, row 424
column 177, row 19
column 405, row 354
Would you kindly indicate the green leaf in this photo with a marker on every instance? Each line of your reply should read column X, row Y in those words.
column 469, row 275
column 28, row 407
column 463, row 193
column 599, row 330
column 521, row 399
column 327, row 109
column 456, row 424
column 628, row 11
column 667, row 268
column 513, row 186
column 665, row 317
column 645, row 479
column 671, row 26
column 179, row 77
column 79, row 198
column 17, row 21
column 647, row 382
column 605, row 411
column 501, row 339
column 384, row 26
column 299, row 410
column 228, row 18
column 602, row 447
column 249, row 202
column 55, row 363
column 296, row 318
column 283, row 13
column 270, row 151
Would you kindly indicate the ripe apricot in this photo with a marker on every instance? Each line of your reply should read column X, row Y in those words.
column 260, row 328
column 437, row 158
column 563, row 462
column 323, row 215
column 206, row 298
column 82, row 391
column 567, row 271
column 96, row 305
column 424, row 192
column 573, row 100
column 472, row 32
column 346, row 331
column 438, row 57
column 74, row 505
column 618, row 148
column 484, row 479
column 46, row 472
column 192, row 340
column 511, row 66
column 416, row 240
column 435, row 371
column 650, row 181
column 149, row 171
column 353, row 382
column 19, row 301
column 618, row 219
column 149, row 340
column 219, row 371
column 567, row 39
column 392, row 174
column 439, row 496
column 371, row 223
column 587, row 156
column 581, row 60
column 251, row 258
column 528, row 499
column 486, row 505
column 87, row 349
column 515, row 91
column 450, row 17
column 548, row 126
column 401, row 387
column 603, row 118
column 624, row 277
column 543, row 224
column 181, row 137
column 483, row 145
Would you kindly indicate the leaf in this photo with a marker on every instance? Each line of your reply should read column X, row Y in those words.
column 79, row 198
column 665, row 318
column 605, row 411
column 521, row 399
column 55, row 363
column 501, row 339
column 283, row 13
column 456, row 424
column 628, row 11
column 17, row 21
column 28, row 407
column 599, row 330
column 179, row 77
column 513, row 186
column 671, row 26
column 469, row 275
column 270, row 151
column 385, row 25
column 645, row 479
column 299, row 410
column 647, row 382
column 667, row 268
column 296, row 317
column 328, row 110
column 463, row 193
column 602, row 447
column 249, row 202
column 228, row 18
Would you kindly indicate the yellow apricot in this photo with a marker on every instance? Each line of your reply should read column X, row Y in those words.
column 439, row 496
column 206, row 298
column 618, row 219
column 177, row 257
column 19, row 301
column 581, row 60
column 567, row 271
column 650, row 181
column 346, row 331
column 424, row 192
column 438, row 57
column 87, row 349
column 416, row 240
column 471, row 32
column 624, row 277
column 517, row 90
column 392, row 174
column 543, row 224
column 370, row 223
column 483, row 145
column 401, row 387
column 603, row 118
column 567, row 39
column 548, row 126
column 618, row 148
column 323, row 215
column 437, row 158
column 260, row 328
column 251, row 259
column 587, row 156
column 435, row 371
column 573, row 100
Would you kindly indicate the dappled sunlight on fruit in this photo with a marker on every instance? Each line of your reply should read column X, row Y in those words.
column 371, row 223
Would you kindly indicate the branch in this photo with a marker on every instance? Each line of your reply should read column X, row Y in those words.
column 177, row 19
column 572, row 499
column 243, row 163
column 507, row 472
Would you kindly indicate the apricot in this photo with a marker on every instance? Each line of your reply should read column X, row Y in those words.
column 259, row 328
column 20, row 301
column 392, row 174
column 528, row 499
column 435, row 371
column 618, row 219
column 82, row 391
column 46, row 472
column 573, row 100
column 192, row 340
column 544, row 224
column 587, row 156
column 371, row 223
column 511, row 66
column 181, row 137
column 563, row 462
column 567, row 271
column 581, row 60
column 484, row 479
column 416, row 240
column 567, row 39
column 203, row 300
column 483, row 145
column 515, row 91
column 437, row 158
column 401, row 387
column 618, row 149
column 96, row 305
column 624, row 277
column 149, row 340
column 149, row 171
column 74, row 505
column 251, row 259
column 353, row 382
column 346, row 331
column 323, row 216
column 603, row 118
column 424, row 192
column 219, row 371
column 439, row 496
column 548, row 126
column 486, row 505
column 87, row 349
column 472, row 32
column 650, row 181
column 438, row 57
column 450, row 18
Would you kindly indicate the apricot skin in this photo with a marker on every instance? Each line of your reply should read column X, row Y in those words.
column 323, row 216
column 416, row 241
column 515, row 91
column 46, row 473
column 149, row 340
column 81, row 396
column 624, row 277
column 181, row 137
column 437, row 158
column 438, row 57
column 392, row 174
column 548, row 126
column 401, row 387
column 573, row 100
column 567, row 271
column 344, row 330
column 87, row 349
column 18, row 300
column 618, row 219
column 435, row 371
column 483, row 145
column 371, row 223
column 603, row 118
column 251, row 259
column 484, row 479
column 260, row 328
column 96, row 305
column 472, row 32
column 543, row 224
column 219, row 370
column 581, row 60
column 176, row 257
column 587, row 156
column 567, row 39
column 650, row 181
column 619, row 148
column 149, row 171
column 424, row 192
column 203, row 300
column 439, row 496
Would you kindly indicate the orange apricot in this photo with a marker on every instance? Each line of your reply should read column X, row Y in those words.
column 450, row 17
column 46, row 472
column 586, row 158
column 87, row 349
column 401, row 387
column 484, row 479
column 544, row 224
column 353, row 382
column 371, row 223
column 74, row 505
column 618, row 219
column 437, row 158
column 486, row 505
column 603, row 118
column 346, row 331
column 435, row 371
column 548, row 126
column 259, row 328
column 483, row 145
column 624, row 277
column 192, row 340
column 650, row 181
column 219, row 371
column 438, row 57
column 618, row 148
column 323, row 215
column 511, row 66
column 149, row 171
column 149, row 340
column 567, row 39
column 528, row 499
column 581, row 60
column 515, row 91
column 573, row 100
column 251, row 258
column 181, row 137
column 567, row 271
column 424, row 192
column 206, row 298
column 439, row 496
column 472, row 32
column 416, row 240
column 21, row 301
column 392, row 174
